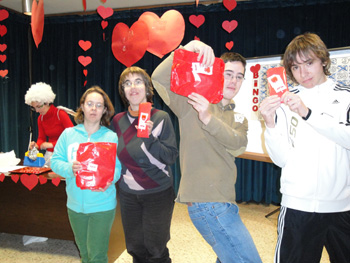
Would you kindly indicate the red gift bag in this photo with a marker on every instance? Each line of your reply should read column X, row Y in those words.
column 187, row 76
column 277, row 80
column 144, row 116
column 98, row 160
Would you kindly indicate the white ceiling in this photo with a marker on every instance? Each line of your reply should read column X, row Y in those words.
column 52, row 7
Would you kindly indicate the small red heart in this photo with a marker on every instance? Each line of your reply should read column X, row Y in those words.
column 230, row 4
column 85, row 45
column 196, row 38
column 56, row 181
column 103, row 1
column 255, row 70
column 104, row 12
column 15, row 177
column 29, row 181
column 85, row 82
column 229, row 45
column 2, row 58
column 3, row 73
column 3, row 47
column 2, row 177
column 104, row 24
column 85, row 72
column 197, row 21
column 4, row 14
column 3, row 30
column 84, row 60
column 229, row 26
column 42, row 179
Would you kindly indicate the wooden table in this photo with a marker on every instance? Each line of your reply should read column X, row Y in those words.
column 43, row 212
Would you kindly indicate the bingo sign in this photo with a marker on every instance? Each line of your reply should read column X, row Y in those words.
column 255, row 88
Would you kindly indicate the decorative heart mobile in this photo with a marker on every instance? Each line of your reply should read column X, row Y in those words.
column 104, row 12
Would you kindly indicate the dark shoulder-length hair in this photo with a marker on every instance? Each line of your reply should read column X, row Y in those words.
column 146, row 79
column 109, row 109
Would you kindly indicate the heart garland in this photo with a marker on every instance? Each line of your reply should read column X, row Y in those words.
column 2, row 177
column 229, row 26
column 85, row 45
column 30, row 181
column 104, row 12
column 4, row 14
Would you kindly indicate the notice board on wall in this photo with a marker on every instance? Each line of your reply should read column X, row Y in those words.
column 255, row 88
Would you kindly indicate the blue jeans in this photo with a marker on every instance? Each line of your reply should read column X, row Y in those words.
column 221, row 226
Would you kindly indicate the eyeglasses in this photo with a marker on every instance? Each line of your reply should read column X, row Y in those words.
column 229, row 76
column 138, row 83
column 37, row 107
column 98, row 105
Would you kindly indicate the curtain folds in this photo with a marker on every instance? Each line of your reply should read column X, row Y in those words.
column 265, row 27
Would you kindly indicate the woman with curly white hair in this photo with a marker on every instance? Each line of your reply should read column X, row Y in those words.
column 51, row 122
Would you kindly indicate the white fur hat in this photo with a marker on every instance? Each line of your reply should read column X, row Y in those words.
column 39, row 92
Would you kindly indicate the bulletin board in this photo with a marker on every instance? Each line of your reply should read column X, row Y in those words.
column 255, row 88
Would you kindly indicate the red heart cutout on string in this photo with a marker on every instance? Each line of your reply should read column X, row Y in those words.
column 2, row 58
column 196, row 38
column 29, row 181
column 56, row 181
column 165, row 33
column 129, row 45
column 229, row 45
column 85, row 82
column 42, row 179
column 197, row 21
column 230, row 4
column 84, row 60
column 15, row 177
column 229, row 26
column 104, row 24
column 4, row 72
column 2, row 177
column 104, row 12
column 37, row 21
column 103, row 1
column 3, row 47
column 3, row 30
column 4, row 14
column 85, row 72
column 85, row 45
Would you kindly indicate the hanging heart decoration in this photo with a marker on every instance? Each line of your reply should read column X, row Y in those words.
column 3, row 30
column 14, row 177
column 4, row 14
column 104, row 24
column 230, row 4
column 104, row 1
column 85, row 60
column 197, row 21
column 229, row 26
column 104, row 12
column 2, row 177
column 3, row 47
column 42, row 179
column 129, row 45
column 85, row 72
column 29, row 181
column 229, row 45
column 3, row 72
column 37, row 21
column 2, row 58
column 165, row 33
column 56, row 181
column 197, row 38
column 85, row 45
column 84, row 5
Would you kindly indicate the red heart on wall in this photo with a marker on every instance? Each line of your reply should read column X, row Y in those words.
column 15, row 177
column 229, row 45
column 56, row 181
column 229, row 26
column 42, row 179
column 3, row 73
column 104, row 24
column 84, row 60
column 230, row 4
column 129, row 45
column 2, row 177
column 85, row 45
column 104, row 12
column 197, row 21
column 3, row 47
column 29, row 181
column 165, row 33
column 4, row 14
column 2, row 58
column 3, row 30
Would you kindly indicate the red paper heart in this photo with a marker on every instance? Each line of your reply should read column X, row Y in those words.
column 2, row 58
column 15, row 177
column 104, row 12
column 3, row 30
column 84, row 5
column 84, row 60
column 129, row 45
column 2, row 177
column 3, row 47
column 255, row 69
column 85, row 45
column 29, row 181
column 42, row 179
column 103, row 1
column 37, row 21
column 165, row 33
column 196, row 38
column 85, row 72
column 104, row 24
column 56, row 181
column 229, row 26
column 230, row 4
column 197, row 21
column 3, row 73
column 229, row 45
column 4, row 14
